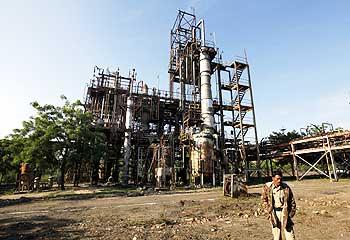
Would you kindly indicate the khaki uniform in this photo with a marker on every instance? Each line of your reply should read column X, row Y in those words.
column 280, row 204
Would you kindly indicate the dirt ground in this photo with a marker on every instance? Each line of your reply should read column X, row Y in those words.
column 323, row 213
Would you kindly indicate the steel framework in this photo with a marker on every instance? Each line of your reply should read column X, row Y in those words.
column 236, row 113
column 327, row 154
column 185, row 137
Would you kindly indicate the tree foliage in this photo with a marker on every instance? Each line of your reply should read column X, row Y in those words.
column 311, row 130
column 55, row 140
column 283, row 137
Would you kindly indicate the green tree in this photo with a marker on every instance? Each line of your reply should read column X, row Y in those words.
column 283, row 137
column 58, row 138
column 83, row 140
column 6, row 159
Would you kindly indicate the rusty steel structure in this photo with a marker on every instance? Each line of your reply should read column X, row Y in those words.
column 191, row 136
column 326, row 154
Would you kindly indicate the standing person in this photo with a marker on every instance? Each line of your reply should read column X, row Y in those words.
column 278, row 200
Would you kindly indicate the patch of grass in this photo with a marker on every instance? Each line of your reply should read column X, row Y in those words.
column 8, row 192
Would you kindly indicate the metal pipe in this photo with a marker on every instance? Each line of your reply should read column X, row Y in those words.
column 102, row 107
column 128, row 130
column 182, row 87
column 222, row 126
column 206, row 95
column 201, row 22
column 127, row 139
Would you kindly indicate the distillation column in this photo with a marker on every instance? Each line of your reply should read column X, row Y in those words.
column 204, row 156
column 128, row 131
column 206, row 96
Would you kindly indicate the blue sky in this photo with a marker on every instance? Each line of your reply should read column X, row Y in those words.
column 298, row 50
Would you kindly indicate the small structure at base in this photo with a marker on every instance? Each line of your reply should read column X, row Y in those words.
column 25, row 179
column 234, row 185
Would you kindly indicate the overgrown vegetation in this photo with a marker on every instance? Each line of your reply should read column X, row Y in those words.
column 56, row 140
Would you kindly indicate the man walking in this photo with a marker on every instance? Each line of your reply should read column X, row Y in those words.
column 278, row 200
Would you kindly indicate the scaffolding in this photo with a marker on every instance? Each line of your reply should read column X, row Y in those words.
column 236, row 112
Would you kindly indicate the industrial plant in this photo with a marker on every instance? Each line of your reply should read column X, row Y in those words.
column 205, row 129
column 188, row 160
column 193, row 136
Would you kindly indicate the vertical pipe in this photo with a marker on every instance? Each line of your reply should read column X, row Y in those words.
column 102, row 107
column 128, row 130
column 206, row 96
column 114, row 114
column 127, row 139
column 182, row 87
column 222, row 127
column 171, row 83
column 186, row 67
column 201, row 23
column 193, row 70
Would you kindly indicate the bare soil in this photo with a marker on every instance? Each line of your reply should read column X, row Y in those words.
column 323, row 213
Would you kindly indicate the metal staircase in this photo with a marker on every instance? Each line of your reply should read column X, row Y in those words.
column 241, row 146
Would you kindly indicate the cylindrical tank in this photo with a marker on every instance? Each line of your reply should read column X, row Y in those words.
column 202, row 158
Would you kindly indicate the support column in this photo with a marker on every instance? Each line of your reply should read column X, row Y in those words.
column 296, row 172
column 332, row 160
